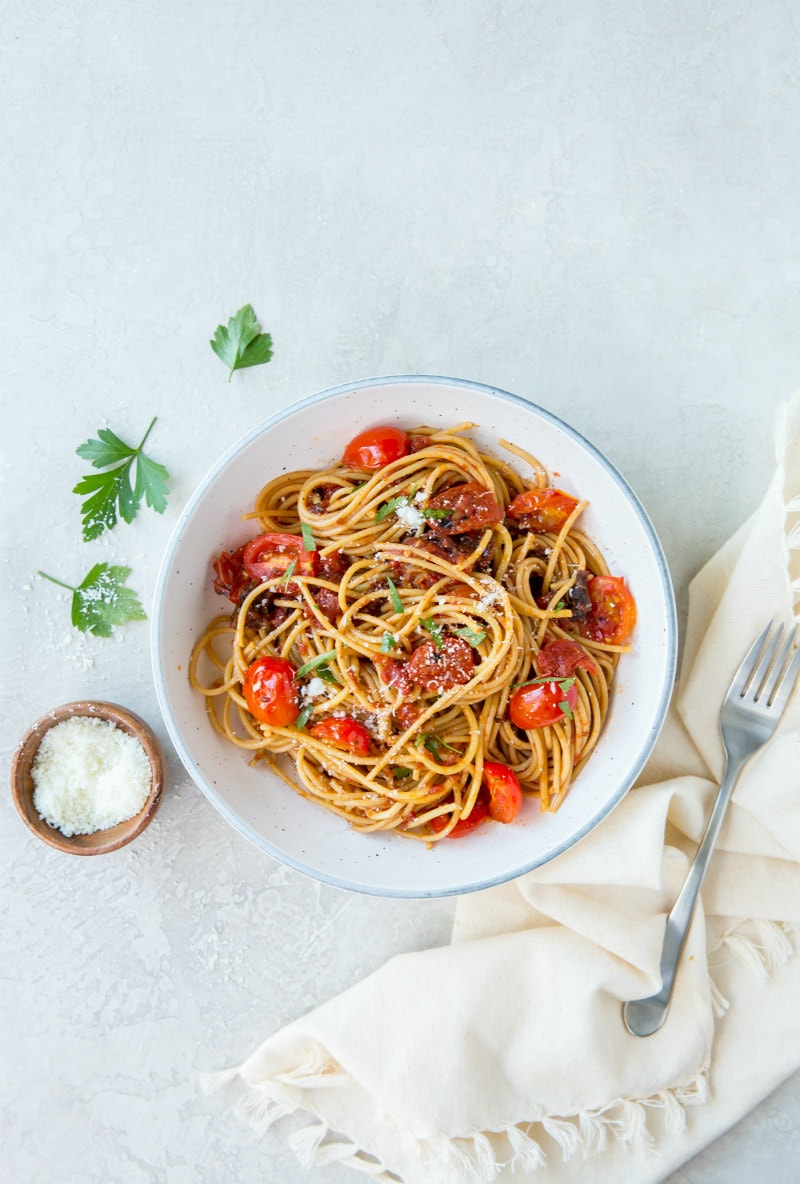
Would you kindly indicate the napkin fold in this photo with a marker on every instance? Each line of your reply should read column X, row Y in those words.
column 504, row 1054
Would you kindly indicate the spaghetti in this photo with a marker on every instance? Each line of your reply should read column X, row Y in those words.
column 426, row 635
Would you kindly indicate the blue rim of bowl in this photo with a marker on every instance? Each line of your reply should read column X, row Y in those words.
column 341, row 881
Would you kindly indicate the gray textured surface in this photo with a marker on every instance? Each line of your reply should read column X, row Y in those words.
column 594, row 205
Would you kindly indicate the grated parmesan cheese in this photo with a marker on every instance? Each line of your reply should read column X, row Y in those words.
column 313, row 689
column 410, row 516
column 89, row 775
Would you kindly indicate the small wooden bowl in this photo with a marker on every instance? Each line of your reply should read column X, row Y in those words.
column 100, row 841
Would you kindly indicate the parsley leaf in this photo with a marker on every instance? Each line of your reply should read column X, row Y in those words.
column 304, row 717
column 112, row 490
column 241, row 343
column 288, row 574
column 435, row 631
column 434, row 743
column 429, row 513
column 401, row 772
column 309, row 542
column 102, row 601
column 388, row 643
column 566, row 709
column 394, row 503
column 320, row 660
column 397, row 603
column 471, row 636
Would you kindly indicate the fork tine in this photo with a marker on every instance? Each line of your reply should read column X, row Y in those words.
column 745, row 672
column 783, row 686
column 765, row 666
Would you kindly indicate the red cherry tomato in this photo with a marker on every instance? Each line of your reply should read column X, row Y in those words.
column 478, row 814
column 539, row 704
column 542, row 509
column 343, row 733
column 271, row 692
column 375, row 448
column 505, row 792
column 269, row 556
column 440, row 669
column 561, row 658
column 613, row 613
column 417, row 443
column 394, row 673
column 464, row 507
column 230, row 575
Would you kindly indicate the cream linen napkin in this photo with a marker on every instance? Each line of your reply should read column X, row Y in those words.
column 512, row 1057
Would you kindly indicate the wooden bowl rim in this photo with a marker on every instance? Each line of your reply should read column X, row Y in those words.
column 116, row 836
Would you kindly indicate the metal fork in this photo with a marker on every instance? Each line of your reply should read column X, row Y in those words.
column 750, row 714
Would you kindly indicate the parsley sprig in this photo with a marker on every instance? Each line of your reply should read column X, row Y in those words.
column 241, row 343
column 112, row 489
column 435, row 744
column 102, row 600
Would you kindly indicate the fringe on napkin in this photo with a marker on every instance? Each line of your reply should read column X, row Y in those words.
column 474, row 1159
column 759, row 944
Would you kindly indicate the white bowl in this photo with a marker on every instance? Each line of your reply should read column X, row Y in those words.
column 312, row 434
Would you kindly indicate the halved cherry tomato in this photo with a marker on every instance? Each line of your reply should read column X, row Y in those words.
column 540, row 703
column 343, row 733
column 440, row 669
column 542, row 509
column 465, row 507
column 417, row 443
column 269, row 556
column 407, row 714
column 561, row 658
column 478, row 814
column 375, row 448
column 270, row 691
column 230, row 575
column 613, row 613
column 394, row 673
column 333, row 565
column 505, row 792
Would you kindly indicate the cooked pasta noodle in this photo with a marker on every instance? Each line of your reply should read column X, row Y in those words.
column 423, row 608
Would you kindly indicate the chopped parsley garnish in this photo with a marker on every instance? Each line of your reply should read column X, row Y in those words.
column 397, row 603
column 471, row 636
column 304, row 717
column 435, row 631
column 313, row 663
column 289, row 573
column 388, row 643
column 401, row 772
column 112, row 490
column 429, row 513
column 435, row 743
column 566, row 709
column 309, row 542
column 241, row 343
column 326, row 674
column 101, row 600
column 394, row 503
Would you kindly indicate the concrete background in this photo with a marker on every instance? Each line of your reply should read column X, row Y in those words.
column 591, row 204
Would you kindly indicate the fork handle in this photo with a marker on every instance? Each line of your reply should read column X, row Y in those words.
column 645, row 1016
